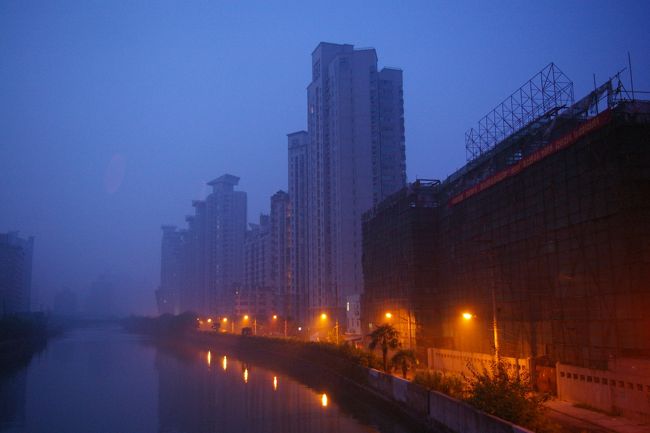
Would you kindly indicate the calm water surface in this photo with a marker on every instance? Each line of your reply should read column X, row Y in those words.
column 106, row 380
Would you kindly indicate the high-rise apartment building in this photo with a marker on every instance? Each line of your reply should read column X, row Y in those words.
column 266, row 289
column 15, row 273
column 225, row 232
column 280, row 258
column 356, row 158
column 194, row 296
column 168, row 294
column 298, row 222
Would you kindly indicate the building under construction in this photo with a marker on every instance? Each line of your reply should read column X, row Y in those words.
column 545, row 231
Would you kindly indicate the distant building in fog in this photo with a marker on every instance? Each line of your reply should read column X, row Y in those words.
column 225, row 232
column 257, row 256
column 298, row 223
column 280, row 255
column 168, row 294
column 15, row 273
column 356, row 158
column 202, row 267
column 193, row 296
column 266, row 289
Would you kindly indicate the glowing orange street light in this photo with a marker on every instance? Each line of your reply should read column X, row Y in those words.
column 245, row 316
column 209, row 320
column 275, row 317
column 224, row 320
column 389, row 315
column 323, row 316
column 468, row 316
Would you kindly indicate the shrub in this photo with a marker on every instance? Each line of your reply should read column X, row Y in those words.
column 404, row 360
column 508, row 395
column 452, row 385
column 359, row 356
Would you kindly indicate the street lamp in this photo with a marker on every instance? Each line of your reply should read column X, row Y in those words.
column 323, row 317
column 390, row 315
column 495, row 329
column 232, row 324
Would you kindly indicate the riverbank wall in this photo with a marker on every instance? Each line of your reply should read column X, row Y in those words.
column 431, row 410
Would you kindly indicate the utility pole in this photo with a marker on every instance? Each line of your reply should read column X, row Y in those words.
column 336, row 328
column 495, row 328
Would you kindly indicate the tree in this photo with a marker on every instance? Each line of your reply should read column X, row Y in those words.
column 404, row 360
column 508, row 395
column 386, row 337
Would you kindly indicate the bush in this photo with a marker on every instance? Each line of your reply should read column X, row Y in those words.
column 452, row 385
column 359, row 356
column 508, row 395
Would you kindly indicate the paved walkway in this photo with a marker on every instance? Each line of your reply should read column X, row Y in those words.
column 578, row 420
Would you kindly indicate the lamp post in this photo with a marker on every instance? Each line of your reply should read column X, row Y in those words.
column 495, row 328
column 389, row 316
column 323, row 317
column 232, row 324
column 284, row 319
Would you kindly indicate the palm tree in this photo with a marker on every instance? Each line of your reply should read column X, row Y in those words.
column 386, row 337
column 404, row 359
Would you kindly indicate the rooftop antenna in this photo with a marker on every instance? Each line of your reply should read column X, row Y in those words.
column 595, row 89
column 629, row 64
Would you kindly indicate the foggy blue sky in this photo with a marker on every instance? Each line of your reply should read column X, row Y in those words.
column 114, row 114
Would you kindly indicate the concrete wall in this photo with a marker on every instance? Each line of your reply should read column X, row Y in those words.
column 455, row 361
column 440, row 409
column 612, row 391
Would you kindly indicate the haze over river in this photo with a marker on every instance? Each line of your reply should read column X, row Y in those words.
column 98, row 380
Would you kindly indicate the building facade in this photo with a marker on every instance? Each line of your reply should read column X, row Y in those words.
column 15, row 273
column 171, row 271
column 552, row 240
column 399, row 242
column 226, row 218
column 280, row 256
column 299, row 222
column 355, row 158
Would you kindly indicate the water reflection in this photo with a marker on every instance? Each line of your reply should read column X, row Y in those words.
column 103, row 380
column 12, row 397
column 194, row 398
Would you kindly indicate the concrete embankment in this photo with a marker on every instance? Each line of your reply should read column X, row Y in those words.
column 324, row 364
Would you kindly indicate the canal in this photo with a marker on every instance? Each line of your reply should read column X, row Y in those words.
column 98, row 380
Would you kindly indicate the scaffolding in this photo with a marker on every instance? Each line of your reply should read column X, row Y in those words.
column 553, row 219
column 544, row 95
